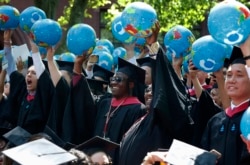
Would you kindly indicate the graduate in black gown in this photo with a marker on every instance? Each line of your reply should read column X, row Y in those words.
column 61, row 75
column 117, row 114
column 30, row 97
column 80, row 112
column 223, row 129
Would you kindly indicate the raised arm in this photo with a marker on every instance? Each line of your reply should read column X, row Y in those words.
column 37, row 60
column 2, row 78
column 53, row 68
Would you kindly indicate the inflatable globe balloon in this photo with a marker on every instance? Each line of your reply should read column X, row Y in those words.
column 67, row 56
column 185, row 63
column 139, row 45
column 105, row 42
column 81, row 38
column 29, row 16
column 138, row 18
column 229, row 51
column 228, row 22
column 119, row 32
column 57, row 56
column 169, row 55
column 119, row 52
column 9, row 17
column 179, row 39
column 46, row 32
column 245, row 124
column 100, row 48
column 205, row 57
column 105, row 60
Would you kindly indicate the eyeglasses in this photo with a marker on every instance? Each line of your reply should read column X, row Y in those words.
column 148, row 89
column 117, row 79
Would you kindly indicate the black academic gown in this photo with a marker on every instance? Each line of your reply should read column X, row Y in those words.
column 79, row 115
column 59, row 102
column 223, row 134
column 119, row 123
column 201, row 112
column 33, row 115
column 166, row 120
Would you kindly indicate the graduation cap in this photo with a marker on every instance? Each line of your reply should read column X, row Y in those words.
column 236, row 54
column 39, row 152
column 17, row 136
column 132, row 71
column 146, row 61
column 102, row 72
column 96, row 86
column 98, row 142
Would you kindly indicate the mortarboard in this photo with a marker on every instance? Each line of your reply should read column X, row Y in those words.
column 98, row 142
column 96, row 85
column 39, row 152
column 17, row 136
column 236, row 53
column 102, row 72
column 132, row 71
column 146, row 61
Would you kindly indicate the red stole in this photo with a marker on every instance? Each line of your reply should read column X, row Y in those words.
column 236, row 110
column 127, row 101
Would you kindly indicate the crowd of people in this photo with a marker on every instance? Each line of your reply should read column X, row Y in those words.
column 125, row 116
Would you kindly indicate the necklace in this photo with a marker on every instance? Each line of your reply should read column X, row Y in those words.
column 105, row 129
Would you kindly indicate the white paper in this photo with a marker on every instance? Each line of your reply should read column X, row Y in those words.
column 39, row 152
column 181, row 153
column 20, row 51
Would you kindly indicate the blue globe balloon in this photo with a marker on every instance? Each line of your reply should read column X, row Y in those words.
column 229, row 51
column 119, row 32
column 9, row 17
column 105, row 42
column 105, row 60
column 205, row 57
column 169, row 55
column 81, row 38
column 139, row 45
column 179, row 39
column 67, row 56
column 119, row 52
column 100, row 48
column 185, row 64
column 42, row 50
column 245, row 124
column 229, row 22
column 138, row 18
column 29, row 16
column 46, row 32
column 57, row 56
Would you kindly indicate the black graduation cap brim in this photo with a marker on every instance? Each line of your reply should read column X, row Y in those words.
column 132, row 71
column 146, row 61
column 17, row 136
column 98, row 142
column 96, row 84
column 102, row 72
column 236, row 54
